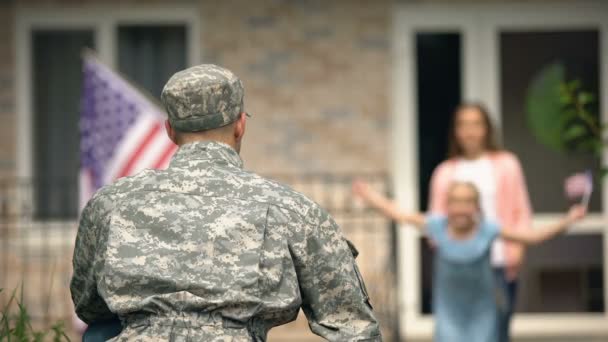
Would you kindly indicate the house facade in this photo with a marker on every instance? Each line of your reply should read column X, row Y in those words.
column 337, row 89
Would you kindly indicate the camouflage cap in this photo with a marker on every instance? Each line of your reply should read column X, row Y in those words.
column 203, row 97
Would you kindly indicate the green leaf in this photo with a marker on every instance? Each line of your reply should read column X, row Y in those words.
column 565, row 99
column 575, row 131
column 585, row 98
column 603, row 171
column 598, row 147
column 589, row 145
column 569, row 114
column 574, row 85
column 544, row 107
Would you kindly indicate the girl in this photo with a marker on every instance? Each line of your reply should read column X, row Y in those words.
column 464, row 300
column 475, row 156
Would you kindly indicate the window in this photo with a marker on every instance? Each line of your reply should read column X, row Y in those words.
column 149, row 55
column 147, row 46
column 438, row 81
column 554, row 281
column 548, row 274
column 56, row 96
column 522, row 55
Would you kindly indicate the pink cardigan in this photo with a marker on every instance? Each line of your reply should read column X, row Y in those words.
column 512, row 203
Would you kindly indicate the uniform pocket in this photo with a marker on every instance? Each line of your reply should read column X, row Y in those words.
column 362, row 286
column 352, row 248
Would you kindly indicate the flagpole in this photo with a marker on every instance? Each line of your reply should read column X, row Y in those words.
column 588, row 190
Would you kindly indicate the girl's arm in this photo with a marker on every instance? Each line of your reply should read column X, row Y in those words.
column 386, row 206
column 536, row 236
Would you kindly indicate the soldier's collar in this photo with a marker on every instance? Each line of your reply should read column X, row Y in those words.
column 208, row 150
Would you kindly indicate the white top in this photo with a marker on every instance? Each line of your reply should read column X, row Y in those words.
column 481, row 173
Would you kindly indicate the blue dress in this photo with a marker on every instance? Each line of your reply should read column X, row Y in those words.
column 464, row 297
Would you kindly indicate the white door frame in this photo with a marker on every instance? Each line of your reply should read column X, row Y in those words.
column 479, row 25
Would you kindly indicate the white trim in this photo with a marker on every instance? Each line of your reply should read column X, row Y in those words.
column 530, row 326
column 479, row 25
column 470, row 70
column 491, row 73
column 404, row 140
column 592, row 224
column 603, row 65
column 23, row 104
column 102, row 21
column 105, row 33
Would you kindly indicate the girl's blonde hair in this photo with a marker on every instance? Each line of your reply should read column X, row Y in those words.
column 467, row 184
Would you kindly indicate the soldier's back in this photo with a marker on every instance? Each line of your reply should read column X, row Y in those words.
column 203, row 237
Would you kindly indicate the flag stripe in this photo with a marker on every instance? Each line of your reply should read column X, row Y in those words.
column 138, row 151
column 166, row 156
column 127, row 147
column 86, row 187
column 151, row 153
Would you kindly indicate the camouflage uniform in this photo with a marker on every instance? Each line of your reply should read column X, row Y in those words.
column 205, row 251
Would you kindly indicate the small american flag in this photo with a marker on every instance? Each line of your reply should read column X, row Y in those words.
column 579, row 185
column 121, row 130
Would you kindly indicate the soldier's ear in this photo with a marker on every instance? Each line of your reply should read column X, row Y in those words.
column 171, row 132
column 239, row 127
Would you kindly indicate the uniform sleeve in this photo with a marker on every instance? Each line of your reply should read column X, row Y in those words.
column 334, row 298
column 88, row 303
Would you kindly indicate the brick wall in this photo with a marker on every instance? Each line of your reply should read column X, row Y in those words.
column 317, row 80
column 316, row 75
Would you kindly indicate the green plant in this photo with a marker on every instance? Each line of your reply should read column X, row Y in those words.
column 562, row 114
column 17, row 326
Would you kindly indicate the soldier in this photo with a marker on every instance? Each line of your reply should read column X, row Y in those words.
column 205, row 251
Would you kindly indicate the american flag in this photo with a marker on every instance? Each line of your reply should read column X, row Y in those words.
column 579, row 185
column 121, row 130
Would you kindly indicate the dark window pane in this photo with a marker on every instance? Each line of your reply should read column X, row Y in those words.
column 438, row 85
column 56, row 97
column 557, row 281
column 426, row 276
column 149, row 55
column 523, row 54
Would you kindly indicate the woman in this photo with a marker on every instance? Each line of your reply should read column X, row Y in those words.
column 474, row 156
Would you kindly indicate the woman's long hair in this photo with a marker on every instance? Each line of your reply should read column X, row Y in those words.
column 491, row 143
